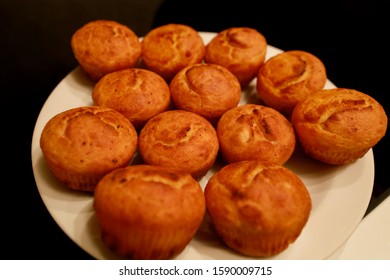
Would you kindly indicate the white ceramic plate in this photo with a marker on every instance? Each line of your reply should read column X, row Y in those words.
column 340, row 195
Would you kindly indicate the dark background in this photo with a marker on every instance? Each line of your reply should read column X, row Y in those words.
column 350, row 37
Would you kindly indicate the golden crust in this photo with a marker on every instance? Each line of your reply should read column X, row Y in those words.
column 104, row 46
column 338, row 126
column 83, row 144
column 206, row 89
column 257, row 209
column 241, row 50
column 148, row 212
column 138, row 94
column 179, row 139
column 289, row 77
column 255, row 132
column 169, row 48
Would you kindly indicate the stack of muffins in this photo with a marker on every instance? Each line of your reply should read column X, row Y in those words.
column 176, row 100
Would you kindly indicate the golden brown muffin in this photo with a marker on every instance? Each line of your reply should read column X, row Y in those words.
column 148, row 212
column 169, row 48
column 179, row 139
column 289, row 77
column 255, row 132
column 339, row 126
column 257, row 209
column 241, row 50
column 138, row 94
column 104, row 46
column 208, row 90
column 82, row 144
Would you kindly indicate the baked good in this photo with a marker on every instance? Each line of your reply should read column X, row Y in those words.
column 82, row 144
column 257, row 209
column 241, row 50
column 137, row 93
column 104, row 46
column 338, row 126
column 255, row 132
column 179, row 139
column 289, row 77
column 206, row 89
column 167, row 49
column 148, row 212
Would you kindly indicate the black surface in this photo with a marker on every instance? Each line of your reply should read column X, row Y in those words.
column 351, row 37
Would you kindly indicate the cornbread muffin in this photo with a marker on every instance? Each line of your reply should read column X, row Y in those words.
column 137, row 93
column 208, row 90
column 181, row 140
column 241, row 50
column 255, row 132
column 339, row 126
column 289, row 77
column 169, row 48
column 104, row 46
column 82, row 144
column 257, row 209
column 148, row 212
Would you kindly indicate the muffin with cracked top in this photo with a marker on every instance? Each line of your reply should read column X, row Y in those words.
column 339, row 126
column 179, row 139
column 104, row 46
column 167, row 49
column 257, row 209
column 82, row 144
column 148, row 212
column 255, row 132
